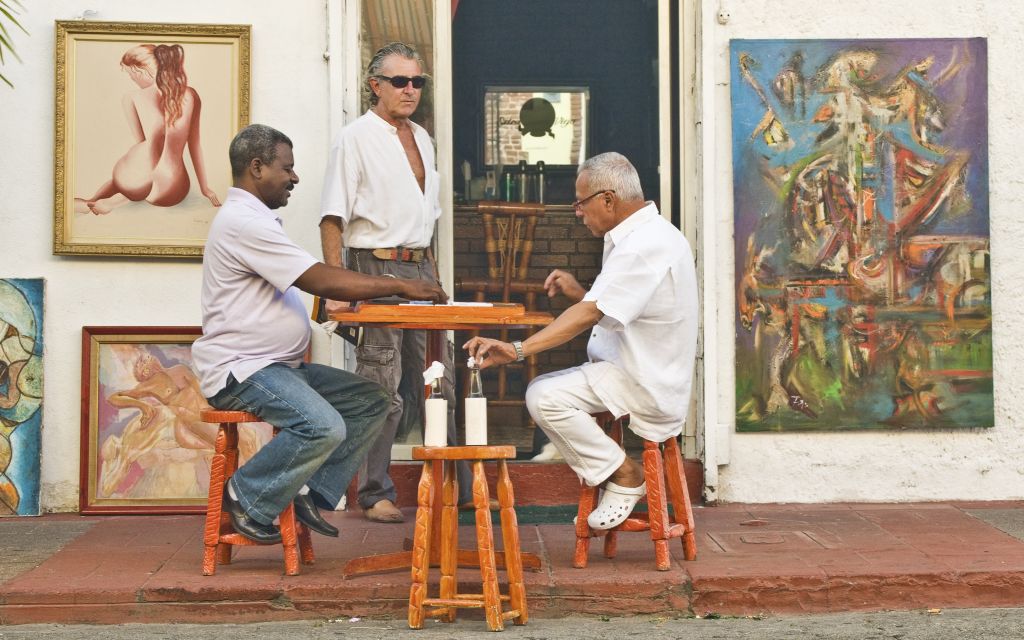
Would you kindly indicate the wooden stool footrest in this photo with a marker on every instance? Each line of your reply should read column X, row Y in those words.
column 215, row 416
column 471, row 452
column 241, row 541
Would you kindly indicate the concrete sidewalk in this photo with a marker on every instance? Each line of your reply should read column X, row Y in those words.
column 752, row 559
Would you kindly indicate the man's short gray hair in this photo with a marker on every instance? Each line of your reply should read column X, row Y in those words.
column 377, row 64
column 613, row 171
column 254, row 141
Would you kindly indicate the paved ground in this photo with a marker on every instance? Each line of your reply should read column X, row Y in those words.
column 753, row 560
column 27, row 542
column 963, row 624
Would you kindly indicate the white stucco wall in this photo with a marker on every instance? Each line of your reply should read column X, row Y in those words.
column 972, row 464
column 289, row 92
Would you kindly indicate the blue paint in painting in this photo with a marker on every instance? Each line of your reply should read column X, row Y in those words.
column 25, row 297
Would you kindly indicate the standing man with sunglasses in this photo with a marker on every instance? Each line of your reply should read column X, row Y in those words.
column 641, row 313
column 381, row 201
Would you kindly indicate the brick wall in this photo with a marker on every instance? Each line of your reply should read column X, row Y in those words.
column 560, row 242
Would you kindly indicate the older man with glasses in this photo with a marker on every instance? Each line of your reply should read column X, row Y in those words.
column 642, row 315
column 381, row 201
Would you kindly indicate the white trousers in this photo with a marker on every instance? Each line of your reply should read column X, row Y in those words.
column 561, row 404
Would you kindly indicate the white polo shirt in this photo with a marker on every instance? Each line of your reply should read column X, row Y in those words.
column 370, row 185
column 252, row 315
column 647, row 290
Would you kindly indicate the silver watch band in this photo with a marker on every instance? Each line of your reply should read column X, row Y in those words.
column 518, row 346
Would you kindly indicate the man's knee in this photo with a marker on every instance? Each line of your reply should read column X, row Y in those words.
column 332, row 432
column 537, row 398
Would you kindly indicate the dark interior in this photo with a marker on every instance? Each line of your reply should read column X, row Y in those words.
column 608, row 46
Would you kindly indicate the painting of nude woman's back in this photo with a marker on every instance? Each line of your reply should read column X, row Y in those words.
column 148, row 112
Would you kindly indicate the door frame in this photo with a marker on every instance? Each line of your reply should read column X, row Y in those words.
column 703, row 436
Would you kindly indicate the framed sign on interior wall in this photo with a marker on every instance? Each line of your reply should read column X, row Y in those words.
column 144, row 448
column 144, row 117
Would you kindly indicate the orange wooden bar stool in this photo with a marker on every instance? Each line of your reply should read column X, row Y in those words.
column 427, row 514
column 219, row 537
column 663, row 468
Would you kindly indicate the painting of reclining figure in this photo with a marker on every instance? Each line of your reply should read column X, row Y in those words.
column 863, row 273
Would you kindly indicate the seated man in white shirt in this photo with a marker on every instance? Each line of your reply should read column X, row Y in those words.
column 642, row 310
column 255, row 335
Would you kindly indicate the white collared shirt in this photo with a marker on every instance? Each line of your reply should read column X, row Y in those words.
column 647, row 291
column 252, row 315
column 371, row 187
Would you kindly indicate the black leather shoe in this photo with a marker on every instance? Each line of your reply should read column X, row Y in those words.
column 246, row 526
column 307, row 513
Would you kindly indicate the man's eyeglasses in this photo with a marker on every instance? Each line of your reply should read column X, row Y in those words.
column 578, row 204
column 399, row 82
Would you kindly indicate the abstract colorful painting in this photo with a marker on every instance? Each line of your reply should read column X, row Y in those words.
column 863, row 273
column 21, row 394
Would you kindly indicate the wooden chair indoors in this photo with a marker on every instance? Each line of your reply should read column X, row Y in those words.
column 508, row 240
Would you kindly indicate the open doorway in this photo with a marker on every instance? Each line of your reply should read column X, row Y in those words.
column 593, row 66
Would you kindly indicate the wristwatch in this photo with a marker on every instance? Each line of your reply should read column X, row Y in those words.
column 518, row 346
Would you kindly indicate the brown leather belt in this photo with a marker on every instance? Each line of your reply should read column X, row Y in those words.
column 399, row 254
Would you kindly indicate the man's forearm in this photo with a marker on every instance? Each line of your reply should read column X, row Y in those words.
column 331, row 240
column 336, row 283
column 572, row 322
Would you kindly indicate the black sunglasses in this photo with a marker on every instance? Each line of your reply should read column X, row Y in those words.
column 399, row 82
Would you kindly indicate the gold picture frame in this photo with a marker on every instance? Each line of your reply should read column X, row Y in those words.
column 144, row 116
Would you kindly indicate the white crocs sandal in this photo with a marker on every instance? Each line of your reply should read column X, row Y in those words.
column 615, row 505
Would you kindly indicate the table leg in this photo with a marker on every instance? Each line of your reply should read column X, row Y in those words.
column 449, row 538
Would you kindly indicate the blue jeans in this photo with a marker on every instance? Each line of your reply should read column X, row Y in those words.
column 328, row 419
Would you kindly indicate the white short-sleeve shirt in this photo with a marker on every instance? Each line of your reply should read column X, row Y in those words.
column 252, row 315
column 647, row 291
column 370, row 185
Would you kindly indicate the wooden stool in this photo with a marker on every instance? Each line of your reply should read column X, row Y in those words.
column 219, row 537
column 491, row 599
column 661, row 461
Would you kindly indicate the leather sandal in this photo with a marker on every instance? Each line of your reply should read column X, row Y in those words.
column 615, row 505
column 384, row 511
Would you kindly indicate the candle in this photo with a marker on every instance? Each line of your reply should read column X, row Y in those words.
column 435, row 432
column 476, row 421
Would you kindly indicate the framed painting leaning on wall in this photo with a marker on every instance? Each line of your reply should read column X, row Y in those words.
column 144, row 117
column 21, row 394
column 144, row 448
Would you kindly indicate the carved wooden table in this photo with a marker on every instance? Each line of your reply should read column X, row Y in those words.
column 437, row 319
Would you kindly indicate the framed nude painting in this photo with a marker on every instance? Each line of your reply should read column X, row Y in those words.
column 144, row 448
column 144, row 117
